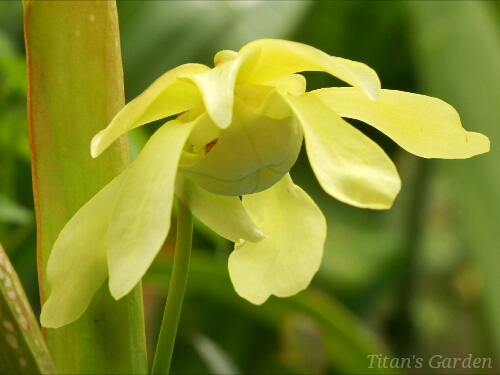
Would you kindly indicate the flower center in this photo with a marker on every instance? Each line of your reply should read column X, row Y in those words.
column 252, row 154
column 210, row 145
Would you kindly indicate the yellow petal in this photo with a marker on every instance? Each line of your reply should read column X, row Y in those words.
column 141, row 218
column 264, row 100
column 224, row 215
column 294, row 84
column 224, row 56
column 349, row 165
column 279, row 58
column 252, row 95
column 217, row 87
column 284, row 263
column 422, row 125
column 274, row 106
column 165, row 97
column 77, row 266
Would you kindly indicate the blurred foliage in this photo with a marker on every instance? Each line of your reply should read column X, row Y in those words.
column 22, row 346
column 419, row 279
column 466, row 73
column 17, row 219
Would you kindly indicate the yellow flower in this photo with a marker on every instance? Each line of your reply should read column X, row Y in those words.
column 239, row 133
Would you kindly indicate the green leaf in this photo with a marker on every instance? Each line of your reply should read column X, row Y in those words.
column 22, row 346
column 75, row 87
column 458, row 49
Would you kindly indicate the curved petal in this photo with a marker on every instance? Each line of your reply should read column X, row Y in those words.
column 284, row 263
column 141, row 218
column 294, row 84
column 165, row 97
column 264, row 100
column 274, row 106
column 279, row 58
column 349, row 165
column 77, row 266
column 217, row 87
column 224, row 215
column 422, row 125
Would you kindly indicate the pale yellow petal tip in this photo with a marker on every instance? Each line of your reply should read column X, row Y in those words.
column 255, row 299
column 487, row 146
column 260, row 297
column 257, row 236
column 120, row 287
column 96, row 146
column 224, row 56
column 253, row 296
column 479, row 143
column 375, row 205
column 367, row 79
column 372, row 90
column 53, row 316
column 381, row 200
column 372, row 197
column 381, row 205
column 47, row 320
column 260, row 235
column 222, row 118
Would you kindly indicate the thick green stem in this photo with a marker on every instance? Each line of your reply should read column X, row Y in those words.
column 176, row 290
column 75, row 88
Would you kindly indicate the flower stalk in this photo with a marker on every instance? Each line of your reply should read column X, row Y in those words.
column 173, row 307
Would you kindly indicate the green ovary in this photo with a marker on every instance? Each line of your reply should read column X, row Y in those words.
column 250, row 156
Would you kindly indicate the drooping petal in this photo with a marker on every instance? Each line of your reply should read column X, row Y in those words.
column 141, row 218
column 279, row 58
column 349, row 165
column 217, row 86
column 226, row 216
column 77, row 266
column 422, row 125
column 165, row 97
column 284, row 263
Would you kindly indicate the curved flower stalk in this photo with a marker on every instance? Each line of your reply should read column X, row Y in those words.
column 239, row 132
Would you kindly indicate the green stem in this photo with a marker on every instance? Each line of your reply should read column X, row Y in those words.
column 168, row 331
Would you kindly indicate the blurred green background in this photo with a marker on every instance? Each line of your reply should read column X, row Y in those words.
column 419, row 280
